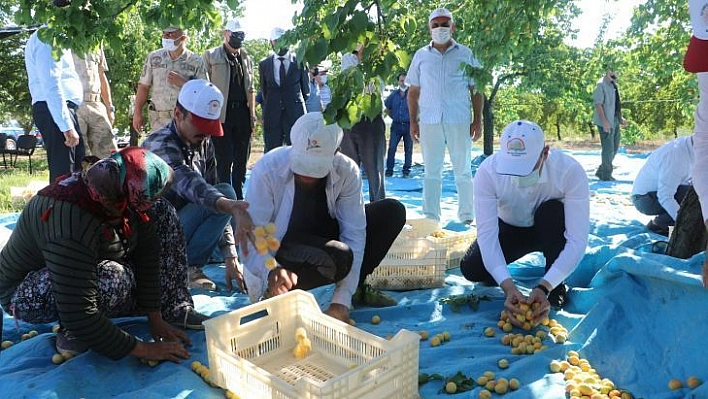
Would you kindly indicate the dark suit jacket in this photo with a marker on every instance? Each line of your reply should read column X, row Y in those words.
column 289, row 97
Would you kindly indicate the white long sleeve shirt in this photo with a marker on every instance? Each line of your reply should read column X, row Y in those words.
column 668, row 167
column 270, row 194
column 55, row 82
column 498, row 197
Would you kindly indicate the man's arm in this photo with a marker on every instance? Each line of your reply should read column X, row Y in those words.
column 106, row 95
column 140, row 99
column 413, row 97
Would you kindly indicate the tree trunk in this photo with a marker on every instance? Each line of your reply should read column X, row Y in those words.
column 689, row 236
column 592, row 130
column 558, row 131
column 488, row 127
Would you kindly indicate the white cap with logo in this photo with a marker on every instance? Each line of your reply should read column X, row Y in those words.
column 440, row 13
column 521, row 145
column 203, row 100
column 313, row 145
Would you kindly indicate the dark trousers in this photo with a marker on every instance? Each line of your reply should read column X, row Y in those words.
column 61, row 159
column 234, row 148
column 320, row 260
column 400, row 130
column 546, row 235
column 365, row 143
column 648, row 204
column 276, row 132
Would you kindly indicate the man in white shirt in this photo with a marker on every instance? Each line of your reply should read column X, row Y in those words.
column 662, row 183
column 528, row 198
column 56, row 92
column 312, row 193
column 439, row 108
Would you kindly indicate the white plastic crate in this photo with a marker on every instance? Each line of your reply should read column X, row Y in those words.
column 251, row 354
column 420, row 227
column 411, row 263
column 456, row 243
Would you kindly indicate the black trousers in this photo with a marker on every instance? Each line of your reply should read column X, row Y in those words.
column 546, row 235
column 233, row 149
column 320, row 260
column 61, row 159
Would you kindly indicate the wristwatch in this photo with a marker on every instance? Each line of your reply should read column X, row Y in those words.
column 543, row 288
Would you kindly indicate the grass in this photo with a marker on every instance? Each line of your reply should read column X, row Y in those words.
column 19, row 176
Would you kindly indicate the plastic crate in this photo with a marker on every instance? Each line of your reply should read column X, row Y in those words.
column 420, row 227
column 251, row 354
column 456, row 243
column 411, row 263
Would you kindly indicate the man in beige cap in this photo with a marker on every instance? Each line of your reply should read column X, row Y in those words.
column 312, row 192
column 204, row 205
column 95, row 117
column 165, row 71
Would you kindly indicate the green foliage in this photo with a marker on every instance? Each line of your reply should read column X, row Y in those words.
column 455, row 302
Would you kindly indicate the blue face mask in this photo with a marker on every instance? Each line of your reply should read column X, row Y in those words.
column 528, row 180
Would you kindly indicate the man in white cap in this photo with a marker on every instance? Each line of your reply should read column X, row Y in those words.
column 696, row 61
column 439, row 108
column 165, row 72
column 528, row 198
column 313, row 194
column 285, row 87
column 205, row 206
column 230, row 68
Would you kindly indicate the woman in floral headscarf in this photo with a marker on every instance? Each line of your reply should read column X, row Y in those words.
column 87, row 248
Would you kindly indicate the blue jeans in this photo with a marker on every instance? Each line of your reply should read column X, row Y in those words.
column 203, row 228
column 400, row 130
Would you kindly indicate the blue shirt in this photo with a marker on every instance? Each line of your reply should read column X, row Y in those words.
column 444, row 87
column 52, row 81
column 397, row 104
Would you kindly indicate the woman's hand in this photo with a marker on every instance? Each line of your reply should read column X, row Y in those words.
column 172, row 351
column 281, row 280
column 162, row 331
column 513, row 299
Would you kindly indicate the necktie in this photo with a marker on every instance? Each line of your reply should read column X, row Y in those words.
column 282, row 70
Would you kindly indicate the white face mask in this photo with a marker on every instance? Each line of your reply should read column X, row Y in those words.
column 528, row 180
column 169, row 44
column 441, row 35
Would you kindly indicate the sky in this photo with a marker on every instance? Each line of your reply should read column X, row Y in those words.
column 263, row 15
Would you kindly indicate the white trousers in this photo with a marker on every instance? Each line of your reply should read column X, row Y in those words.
column 433, row 140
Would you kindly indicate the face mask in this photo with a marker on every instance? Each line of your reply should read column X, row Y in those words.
column 528, row 180
column 441, row 35
column 323, row 79
column 236, row 39
column 282, row 51
column 613, row 77
column 403, row 87
column 169, row 44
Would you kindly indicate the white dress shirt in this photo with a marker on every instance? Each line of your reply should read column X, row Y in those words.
column 498, row 197
column 276, row 66
column 444, row 86
column 667, row 168
column 55, row 82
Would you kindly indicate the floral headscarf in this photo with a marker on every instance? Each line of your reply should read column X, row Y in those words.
column 132, row 178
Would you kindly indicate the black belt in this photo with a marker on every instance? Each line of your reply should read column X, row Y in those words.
column 72, row 105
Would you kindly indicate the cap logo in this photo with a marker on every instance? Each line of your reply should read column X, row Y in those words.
column 311, row 144
column 516, row 147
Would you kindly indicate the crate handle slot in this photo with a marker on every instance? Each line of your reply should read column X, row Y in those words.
column 375, row 370
column 253, row 316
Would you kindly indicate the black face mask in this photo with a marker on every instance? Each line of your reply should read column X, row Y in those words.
column 236, row 39
column 613, row 77
column 282, row 51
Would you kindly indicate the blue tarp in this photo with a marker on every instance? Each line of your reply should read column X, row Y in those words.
column 637, row 316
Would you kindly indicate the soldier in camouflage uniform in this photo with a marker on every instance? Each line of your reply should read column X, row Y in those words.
column 95, row 117
column 165, row 71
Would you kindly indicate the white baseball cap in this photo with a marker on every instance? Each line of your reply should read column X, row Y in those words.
column 203, row 100
column 440, row 13
column 313, row 145
column 276, row 33
column 233, row 25
column 521, row 145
